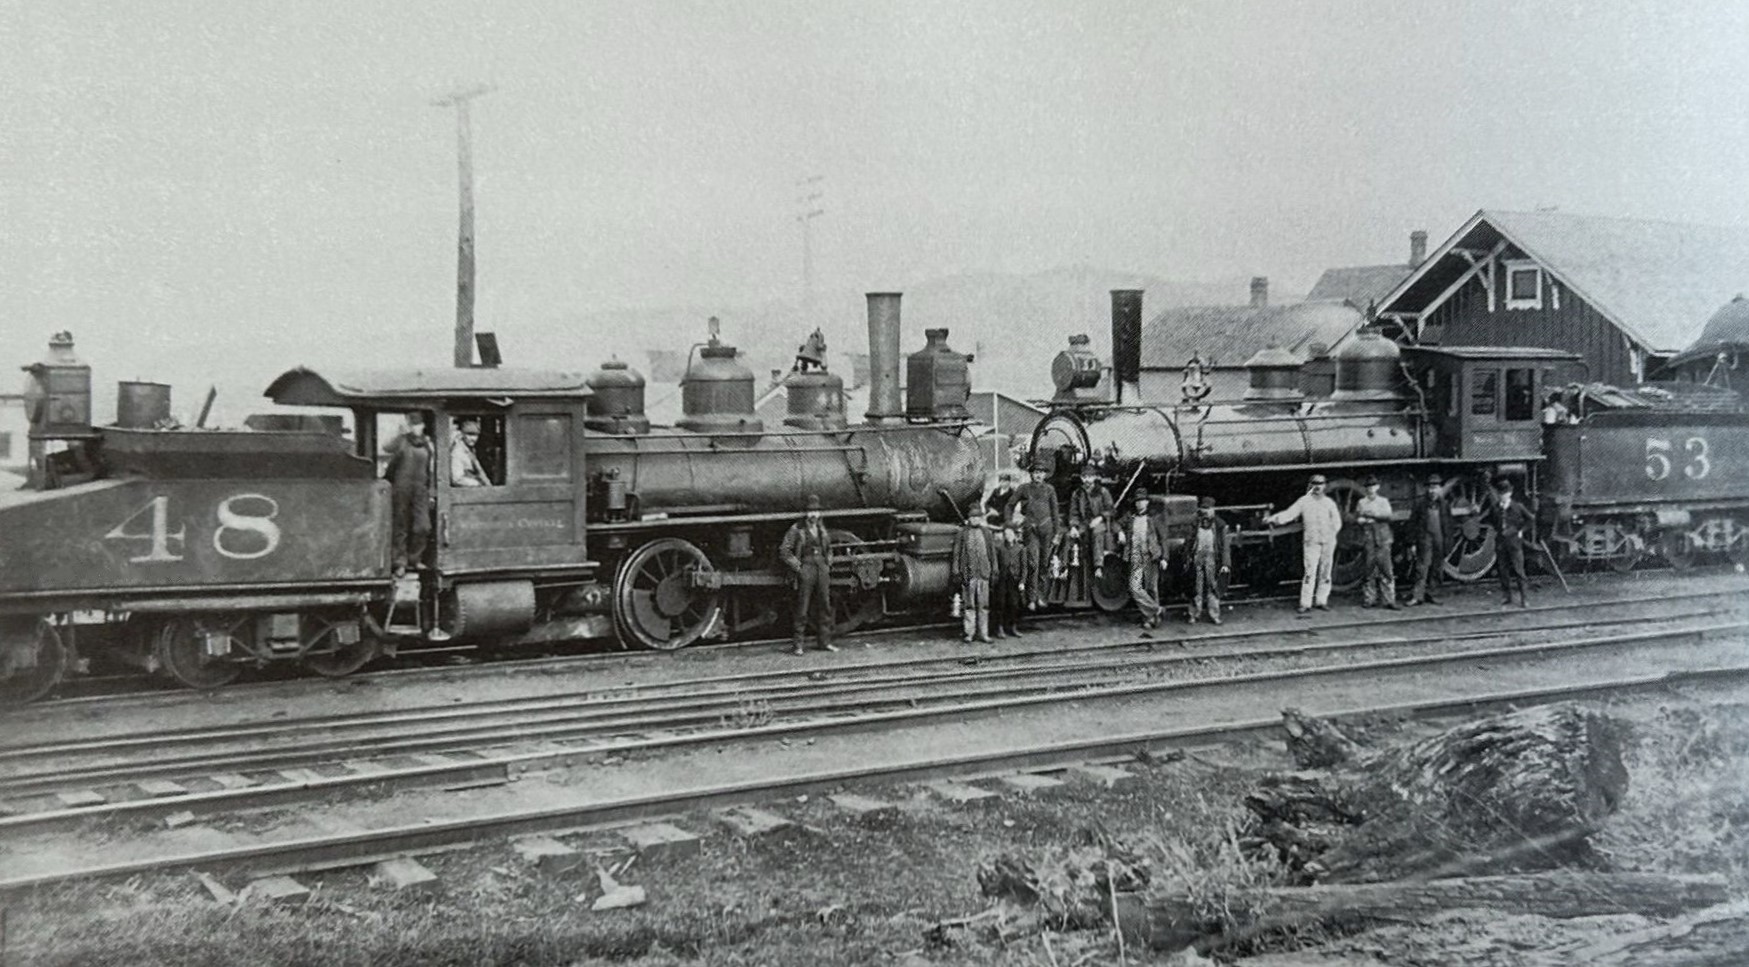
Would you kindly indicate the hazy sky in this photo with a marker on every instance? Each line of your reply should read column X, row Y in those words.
column 178, row 173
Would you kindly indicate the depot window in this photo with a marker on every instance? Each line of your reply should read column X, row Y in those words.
column 1524, row 285
column 1485, row 392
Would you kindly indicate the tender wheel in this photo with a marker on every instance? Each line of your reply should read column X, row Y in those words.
column 1349, row 568
column 1675, row 547
column 1470, row 554
column 185, row 648
column 32, row 659
column 328, row 655
column 654, row 602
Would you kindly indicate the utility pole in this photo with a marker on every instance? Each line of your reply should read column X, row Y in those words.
column 809, row 191
column 464, row 271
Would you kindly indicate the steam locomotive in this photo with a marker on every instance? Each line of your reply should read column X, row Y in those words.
column 198, row 553
column 1651, row 472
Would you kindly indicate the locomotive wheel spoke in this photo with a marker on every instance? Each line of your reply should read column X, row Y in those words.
column 655, row 605
column 1349, row 567
column 32, row 660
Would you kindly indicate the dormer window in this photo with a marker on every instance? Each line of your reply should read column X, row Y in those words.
column 1524, row 285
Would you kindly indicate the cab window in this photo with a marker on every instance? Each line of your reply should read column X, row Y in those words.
column 489, row 448
column 543, row 446
column 1485, row 392
column 1520, row 394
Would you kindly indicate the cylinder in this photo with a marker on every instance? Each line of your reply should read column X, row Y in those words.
column 141, row 406
column 884, row 403
column 484, row 609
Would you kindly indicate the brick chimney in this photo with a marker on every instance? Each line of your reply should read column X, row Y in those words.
column 1417, row 248
column 1259, row 291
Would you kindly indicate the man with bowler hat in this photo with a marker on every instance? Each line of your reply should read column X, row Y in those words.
column 1144, row 550
column 1513, row 524
column 807, row 552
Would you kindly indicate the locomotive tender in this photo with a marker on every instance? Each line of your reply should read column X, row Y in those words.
column 1655, row 471
column 198, row 553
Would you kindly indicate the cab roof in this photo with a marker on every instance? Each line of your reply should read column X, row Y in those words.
column 391, row 388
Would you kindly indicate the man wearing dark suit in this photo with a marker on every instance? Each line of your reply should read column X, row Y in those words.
column 1429, row 522
column 807, row 552
column 1513, row 524
column 1037, row 502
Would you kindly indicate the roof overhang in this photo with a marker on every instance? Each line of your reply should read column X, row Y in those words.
column 403, row 388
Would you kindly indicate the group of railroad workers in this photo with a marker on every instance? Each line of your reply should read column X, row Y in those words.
column 1007, row 551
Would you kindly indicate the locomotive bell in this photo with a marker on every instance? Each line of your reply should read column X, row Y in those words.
column 57, row 392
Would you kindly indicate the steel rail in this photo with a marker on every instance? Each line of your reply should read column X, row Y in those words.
column 504, row 766
column 350, row 849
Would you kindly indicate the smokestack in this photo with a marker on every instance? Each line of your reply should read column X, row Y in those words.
column 1417, row 248
column 1126, row 339
column 1259, row 291
column 884, row 403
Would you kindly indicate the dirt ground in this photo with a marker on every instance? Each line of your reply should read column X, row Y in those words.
column 833, row 891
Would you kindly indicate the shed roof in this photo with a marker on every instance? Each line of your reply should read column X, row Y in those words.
column 1358, row 285
column 304, row 386
column 1657, row 281
column 1226, row 336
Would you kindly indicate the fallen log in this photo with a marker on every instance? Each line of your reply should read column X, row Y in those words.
column 1175, row 922
column 1546, row 775
column 1714, row 937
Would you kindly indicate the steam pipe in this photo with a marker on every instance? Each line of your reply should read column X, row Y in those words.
column 884, row 403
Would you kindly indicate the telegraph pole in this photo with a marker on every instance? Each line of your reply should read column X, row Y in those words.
column 808, row 194
column 464, row 272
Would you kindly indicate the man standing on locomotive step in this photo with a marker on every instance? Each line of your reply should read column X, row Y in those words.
column 1037, row 501
column 1427, row 528
column 1210, row 558
column 409, row 473
column 1090, row 513
column 464, row 463
column 807, row 552
column 973, row 568
column 1513, row 522
column 1320, row 520
column 1374, row 516
column 1144, row 542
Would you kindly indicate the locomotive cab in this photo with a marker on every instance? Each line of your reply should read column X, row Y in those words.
column 1483, row 402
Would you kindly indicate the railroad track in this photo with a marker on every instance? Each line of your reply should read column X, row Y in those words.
column 496, row 739
column 329, row 852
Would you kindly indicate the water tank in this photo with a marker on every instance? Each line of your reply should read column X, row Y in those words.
column 57, row 394
column 938, row 381
column 617, row 405
column 1368, row 368
column 716, row 394
column 815, row 400
column 1275, row 375
column 141, row 406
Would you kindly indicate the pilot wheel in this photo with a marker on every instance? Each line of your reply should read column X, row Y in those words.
column 32, row 659
column 655, row 603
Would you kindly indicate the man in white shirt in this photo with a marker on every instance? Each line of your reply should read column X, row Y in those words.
column 1321, row 520
column 464, row 464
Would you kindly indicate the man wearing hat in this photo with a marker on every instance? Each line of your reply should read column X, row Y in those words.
column 1009, row 582
column 1090, row 514
column 1144, row 543
column 974, row 566
column 1037, row 502
column 464, row 463
column 1428, row 523
column 1320, row 521
column 807, row 552
column 1210, row 558
column 1373, row 513
column 1513, row 522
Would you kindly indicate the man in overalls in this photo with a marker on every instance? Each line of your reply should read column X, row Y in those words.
column 1209, row 559
column 807, row 552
